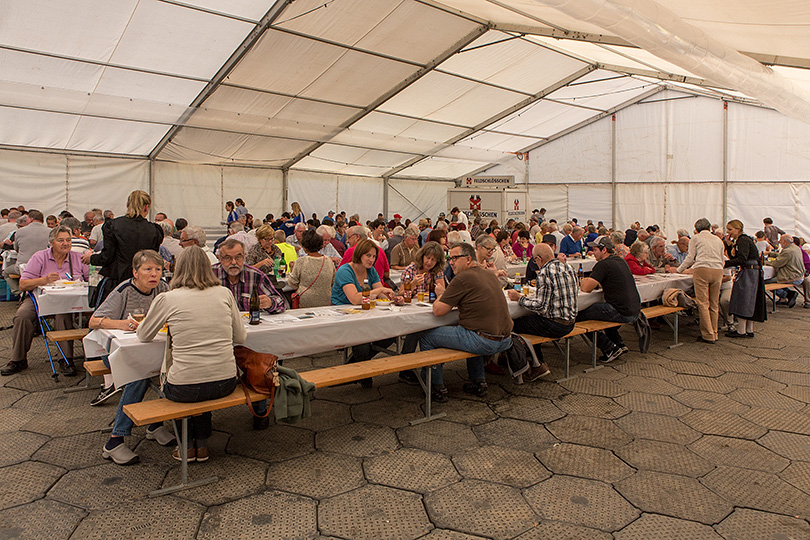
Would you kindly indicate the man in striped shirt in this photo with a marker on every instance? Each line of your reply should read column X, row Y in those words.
column 554, row 306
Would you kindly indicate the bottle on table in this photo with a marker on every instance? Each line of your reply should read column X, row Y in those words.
column 254, row 307
column 276, row 266
column 579, row 275
column 366, row 296
column 432, row 291
column 407, row 293
column 171, row 265
column 282, row 267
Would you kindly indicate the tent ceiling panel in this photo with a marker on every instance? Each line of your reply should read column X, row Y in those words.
column 248, row 9
column 589, row 51
column 484, row 156
column 35, row 70
column 603, row 92
column 436, row 167
column 400, row 126
column 25, row 128
column 267, row 150
column 542, row 119
column 581, row 156
column 512, row 63
column 360, row 156
column 203, row 146
column 445, row 98
column 130, row 137
column 369, row 24
column 484, row 140
column 311, row 163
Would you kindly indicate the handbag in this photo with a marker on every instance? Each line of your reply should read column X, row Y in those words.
column 296, row 298
column 258, row 373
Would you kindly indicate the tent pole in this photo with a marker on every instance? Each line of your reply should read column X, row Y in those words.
column 613, row 170
column 285, row 185
column 151, row 187
column 725, row 163
column 385, row 197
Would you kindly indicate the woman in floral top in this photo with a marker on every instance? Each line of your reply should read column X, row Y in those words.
column 426, row 268
column 262, row 254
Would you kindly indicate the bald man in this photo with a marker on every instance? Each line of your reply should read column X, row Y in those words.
column 554, row 305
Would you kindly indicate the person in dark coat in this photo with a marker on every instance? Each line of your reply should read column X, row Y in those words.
column 123, row 237
column 747, row 302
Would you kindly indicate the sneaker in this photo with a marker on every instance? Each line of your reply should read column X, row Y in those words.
column 192, row 454
column 612, row 355
column 792, row 296
column 625, row 349
column 476, row 388
column 120, row 455
column 438, row 394
column 202, row 454
column 408, row 377
column 67, row 368
column 537, row 372
column 13, row 367
column 104, row 395
column 161, row 435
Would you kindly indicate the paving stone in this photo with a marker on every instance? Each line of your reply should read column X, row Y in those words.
column 597, row 432
column 693, row 368
column 444, row 534
column 724, row 424
column 759, row 490
column 562, row 531
column 799, row 393
column 735, row 366
column 652, row 403
column 13, row 419
column 761, row 397
column 482, row 508
column 271, row 515
column 697, row 382
column 645, row 370
column 596, row 387
column 798, row 475
column 104, row 486
column 785, row 352
column 712, row 401
column 25, row 482
column 438, row 436
column 648, row 385
column 780, row 420
column 584, row 462
column 606, row 372
column 326, row 415
column 790, row 445
column 374, row 513
column 387, row 412
column 40, row 519
column 539, row 389
column 350, row 394
column 517, row 434
column 316, row 475
column 501, row 465
column 582, row 502
column 738, row 453
column 587, row 405
column 52, row 400
column 38, row 378
column 664, row 457
column 357, row 440
column 237, row 477
column 411, row 469
column 674, row 495
column 784, row 365
column 658, row 427
column 9, row 396
column 76, row 451
column 471, row 413
column 170, row 517
column 746, row 524
column 749, row 380
column 63, row 423
column 789, row 377
column 526, row 408
column 654, row 526
column 276, row 443
column 18, row 446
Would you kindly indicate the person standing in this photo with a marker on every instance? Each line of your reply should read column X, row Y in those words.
column 747, row 302
column 705, row 261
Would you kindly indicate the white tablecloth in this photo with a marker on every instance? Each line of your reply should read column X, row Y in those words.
column 301, row 332
column 519, row 269
column 61, row 299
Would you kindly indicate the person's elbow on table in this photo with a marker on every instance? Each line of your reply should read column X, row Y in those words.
column 440, row 308
column 588, row 284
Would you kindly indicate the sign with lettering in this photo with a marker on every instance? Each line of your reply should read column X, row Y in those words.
column 488, row 181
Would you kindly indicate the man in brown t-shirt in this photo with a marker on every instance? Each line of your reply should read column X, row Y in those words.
column 484, row 325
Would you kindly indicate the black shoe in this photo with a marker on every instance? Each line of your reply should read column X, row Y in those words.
column 749, row 334
column 67, row 368
column 13, row 367
column 792, row 296
column 104, row 395
column 261, row 423
column 704, row 340
column 736, row 334
column 438, row 394
column 479, row 389
column 408, row 377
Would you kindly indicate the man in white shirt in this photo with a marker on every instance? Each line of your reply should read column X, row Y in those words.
column 459, row 216
column 95, row 233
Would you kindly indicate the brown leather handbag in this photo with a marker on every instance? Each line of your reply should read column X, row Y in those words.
column 258, row 373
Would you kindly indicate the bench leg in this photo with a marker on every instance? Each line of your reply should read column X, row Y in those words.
column 87, row 386
column 675, row 330
column 184, row 483
column 426, row 386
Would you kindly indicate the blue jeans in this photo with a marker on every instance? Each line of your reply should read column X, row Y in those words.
column 610, row 338
column 536, row 325
column 785, row 293
column 199, row 427
column 133, row 393
column 458, row 337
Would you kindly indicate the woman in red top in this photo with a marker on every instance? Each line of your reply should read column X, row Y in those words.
column 637, row 259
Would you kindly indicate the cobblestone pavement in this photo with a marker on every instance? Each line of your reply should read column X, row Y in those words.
column 699, row 441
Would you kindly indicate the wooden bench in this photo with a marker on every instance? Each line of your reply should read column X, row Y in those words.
column 661, row 311
column 76, row 334
column 92, row 368
column 771, row 287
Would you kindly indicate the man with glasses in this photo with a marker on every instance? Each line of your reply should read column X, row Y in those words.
column 192, row 235
column 240, row 279
column 484, row 325
column 554, row 306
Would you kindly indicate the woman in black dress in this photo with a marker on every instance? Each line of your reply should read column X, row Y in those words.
column 747, row 302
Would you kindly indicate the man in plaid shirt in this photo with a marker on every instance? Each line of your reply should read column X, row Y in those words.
column 554, row 306
column 240, row 278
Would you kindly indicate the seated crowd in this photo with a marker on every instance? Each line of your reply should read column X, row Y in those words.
column 460, row 262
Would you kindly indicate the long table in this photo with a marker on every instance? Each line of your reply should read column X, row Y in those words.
column 306, row 331
column 519, row 268
column 60, row 299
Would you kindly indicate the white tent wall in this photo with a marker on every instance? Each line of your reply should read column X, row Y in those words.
column 581, row 156
column 33, row 179
column 552, row 197
column 261, row 189
column 104, row 183
column 321, row 192
column 751, row 202
column 190, row 191
column 415, row 199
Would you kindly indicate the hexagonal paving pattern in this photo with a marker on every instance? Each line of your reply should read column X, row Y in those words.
column 693, row 368
column 587, row 405
column 678, row 496
column 757, row 489
column 511, row 433
column 374, row 513
column 724, row 424
column 276, row 443
column 40, row 519
column 652, row 403
column 764, row 397
column 799, row 393
column 562, row 531
column 476, row 507
column 712, row 401
column 791, row 421
column 589, row 431
column 738, row 453
column 798, row 475
column 790, row 377
column 467, row 412
column 271, row 515
column 745, row 524
column 698, row 382
column 357, row 440
column 584, row 462
column 237, row 477
column 664, row 457
column 444, row 534
column 144, row 519
column 317, row 475
column 658, row 427
column 76, row 451
column 438, row 436
column 593, row 386
column 26, row 482
column 749, row 380
column 648, row 385
column 18, row 446
column 411, row 469
column 790, row 445
column 388, row 412
column 502, row 465
column 530, row 409
column 326, row 415
column 654, row 526
column 104, row 486
column 582, row 502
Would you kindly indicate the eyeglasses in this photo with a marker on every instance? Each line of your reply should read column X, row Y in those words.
column 228, row 258
column 456, row 257
column 488, row 249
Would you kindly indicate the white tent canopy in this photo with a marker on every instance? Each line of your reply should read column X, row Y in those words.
column 367, row 105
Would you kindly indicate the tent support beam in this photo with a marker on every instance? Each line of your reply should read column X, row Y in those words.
column 223, row 72
column 430, row 66
column 285, row 189
column 385, row 197
column 151, row 187
column 725, row 163
column 613, row 188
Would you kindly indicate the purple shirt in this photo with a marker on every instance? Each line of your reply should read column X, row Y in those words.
column 42, row 263
column 243, row 288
